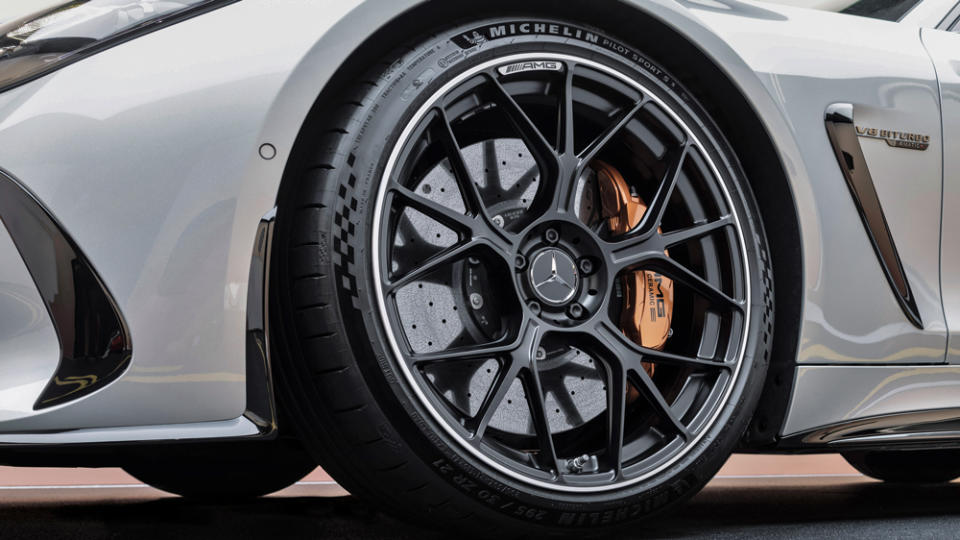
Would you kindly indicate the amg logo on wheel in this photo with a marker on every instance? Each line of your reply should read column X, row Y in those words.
column 535, row 65
column 896, row 139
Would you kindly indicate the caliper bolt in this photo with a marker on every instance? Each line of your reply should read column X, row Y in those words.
column 473, row 261
column 534, row 307
column 476, row 301
column 575, row 311
column 551, row 236
column 519, row 262
column 586, row 266
column 498, row 221
column 541, row 353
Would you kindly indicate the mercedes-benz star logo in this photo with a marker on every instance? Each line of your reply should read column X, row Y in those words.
column 554, row 277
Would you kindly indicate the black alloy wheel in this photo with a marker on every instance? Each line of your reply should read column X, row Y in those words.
column 456, row 291
column 486, row 206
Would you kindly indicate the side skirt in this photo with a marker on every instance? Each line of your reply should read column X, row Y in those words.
column 836, row 408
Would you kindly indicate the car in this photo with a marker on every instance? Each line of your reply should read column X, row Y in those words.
column 498, row 267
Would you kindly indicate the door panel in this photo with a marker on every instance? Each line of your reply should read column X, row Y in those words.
column 944, row 47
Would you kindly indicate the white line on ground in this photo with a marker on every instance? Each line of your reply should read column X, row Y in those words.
column 125, row 486
column 328, row 483
column 755, row 476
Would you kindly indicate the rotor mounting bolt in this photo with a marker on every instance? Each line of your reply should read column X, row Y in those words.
column 551, row 236
column 473, row 261
column 586, row 265
column 476, row 301
column 519, row 262
column 576, row 311
column 534, row 307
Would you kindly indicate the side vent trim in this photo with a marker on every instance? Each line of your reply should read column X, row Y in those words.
column 95, row 346
column 846, row 146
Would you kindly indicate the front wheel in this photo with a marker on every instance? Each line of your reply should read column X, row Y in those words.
column 524, row 284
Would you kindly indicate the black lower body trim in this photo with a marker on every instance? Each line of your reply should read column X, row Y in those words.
column 261, row 405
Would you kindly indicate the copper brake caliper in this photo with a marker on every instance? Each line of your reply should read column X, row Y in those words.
column 648, row 296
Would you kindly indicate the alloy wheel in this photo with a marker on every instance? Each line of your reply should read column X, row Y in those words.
column 503, row 285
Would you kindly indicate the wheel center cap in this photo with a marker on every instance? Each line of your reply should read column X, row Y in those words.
column 554, row 276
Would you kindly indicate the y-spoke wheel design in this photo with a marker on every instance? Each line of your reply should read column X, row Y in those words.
column 523, row 283
column 501, row 285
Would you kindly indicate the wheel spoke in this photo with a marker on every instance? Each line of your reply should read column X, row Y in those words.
column 497, row 393
column 677, row 272
column 538, row 411
column 633, row 251
column 616, row 414
column 670, row 359
column 632, row 356
column 475, row 228
column 625, row 362
column 468, row 187
column 694, row 232
column 424, row 269
column 565, row 138
column 648, row 389
column 598, row 144
column 520, row 356
column 448, row 217
column 481, row 351
column 653, row 217
column 542, row 150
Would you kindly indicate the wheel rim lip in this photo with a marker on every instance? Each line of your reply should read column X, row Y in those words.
column 391, row 165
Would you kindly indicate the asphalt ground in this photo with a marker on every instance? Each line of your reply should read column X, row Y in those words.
column 739, row 506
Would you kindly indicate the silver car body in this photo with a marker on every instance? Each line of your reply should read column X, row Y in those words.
column 149, row 154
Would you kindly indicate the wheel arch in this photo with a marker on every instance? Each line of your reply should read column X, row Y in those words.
column 718, row 78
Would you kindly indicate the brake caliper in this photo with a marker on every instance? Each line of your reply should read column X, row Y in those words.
column 648, row 296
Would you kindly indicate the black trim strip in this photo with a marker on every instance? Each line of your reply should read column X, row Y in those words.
column 846, row 146
column 261, row 405
column 95, row 346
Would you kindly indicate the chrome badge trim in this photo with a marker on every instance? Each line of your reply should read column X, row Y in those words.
column 532, row 65
column 896, row 139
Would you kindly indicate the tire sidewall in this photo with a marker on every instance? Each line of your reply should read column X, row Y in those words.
column 403, row 88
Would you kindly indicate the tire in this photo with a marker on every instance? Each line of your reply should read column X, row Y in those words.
column 377, row 427
column 225, row 472
column 907, row 467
